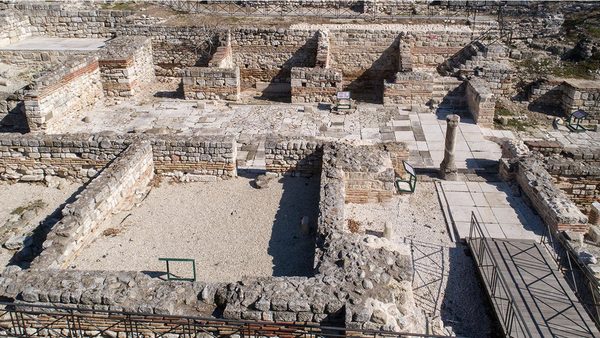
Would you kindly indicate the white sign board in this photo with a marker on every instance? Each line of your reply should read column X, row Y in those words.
column 343, row 95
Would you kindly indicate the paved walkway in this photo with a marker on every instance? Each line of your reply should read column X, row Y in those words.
column 529, row 294
column 422, row 132
column 501, row 214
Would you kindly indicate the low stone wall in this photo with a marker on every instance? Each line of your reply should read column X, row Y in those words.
column 115, row 188
column 69, row 88
column 369, row 174
column 409, row 88
column 480, row 102
column 544, row 147
column 579, row 178
column 284, row 155
column 552, row 204
column 40, row 58
column 195, row 155
column 126, row 65
column 315, row 84
column 79, row 157
column 200, row 83
column 584, row 95
column 30, row 158
column 360, row 281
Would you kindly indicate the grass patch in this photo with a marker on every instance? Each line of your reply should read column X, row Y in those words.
column 121, row 6
column 567, row 69
column 514, row 124
column 501, row 111
column 33, row 205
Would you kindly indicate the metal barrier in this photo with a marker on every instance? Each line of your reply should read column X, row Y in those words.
column 25, row 320
column 580, row 278
column 334, row 9
column 510, row 317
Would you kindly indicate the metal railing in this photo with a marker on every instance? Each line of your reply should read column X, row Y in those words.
column 580, row 278
column 334, row 9
column 27, row 320
column 508, row 313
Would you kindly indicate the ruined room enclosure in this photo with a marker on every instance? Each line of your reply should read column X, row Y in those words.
column 231, row 229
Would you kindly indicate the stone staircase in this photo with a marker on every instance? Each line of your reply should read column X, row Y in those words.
column 465, row 60
column 448, row 93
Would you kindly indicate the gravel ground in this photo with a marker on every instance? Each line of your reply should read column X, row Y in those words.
column 18, row 196
column 231, row 229
column 445, row 281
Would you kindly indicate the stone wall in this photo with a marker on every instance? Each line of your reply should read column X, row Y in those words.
column 207, row 83
column 126, row 65
column 293, row 156
column 12, row 112
column 315, row 84
column 113, row 190
column 369, row 174
column 268, row 54
column 410, row 88
column 480, row 102
column 360, row 281
column 33, row 157
column 579, row 178
column 322, row 59
column 552, row 204
column 14, row 27
column 584, row 95
column 40, row 58
column 195, row 156
column 71, row 87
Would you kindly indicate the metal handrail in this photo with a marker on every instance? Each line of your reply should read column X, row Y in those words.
column 594, row 285
column 475, row 226
column 192, row 323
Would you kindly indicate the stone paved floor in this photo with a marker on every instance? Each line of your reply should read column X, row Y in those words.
column 423, row 132
column 565, row 137
column 500, row 213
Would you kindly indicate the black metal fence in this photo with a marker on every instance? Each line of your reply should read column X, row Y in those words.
column 336, row 9
column 26, row 320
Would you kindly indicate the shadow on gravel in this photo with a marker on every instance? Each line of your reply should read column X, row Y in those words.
column 292, row 250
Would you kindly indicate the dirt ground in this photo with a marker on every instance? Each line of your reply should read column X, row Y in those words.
column 445, row 280
column 37, row 201
column 230, row 228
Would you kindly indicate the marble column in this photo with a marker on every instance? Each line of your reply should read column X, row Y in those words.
column 448, row 169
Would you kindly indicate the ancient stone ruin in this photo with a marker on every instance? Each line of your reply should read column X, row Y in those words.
column 296, row 168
